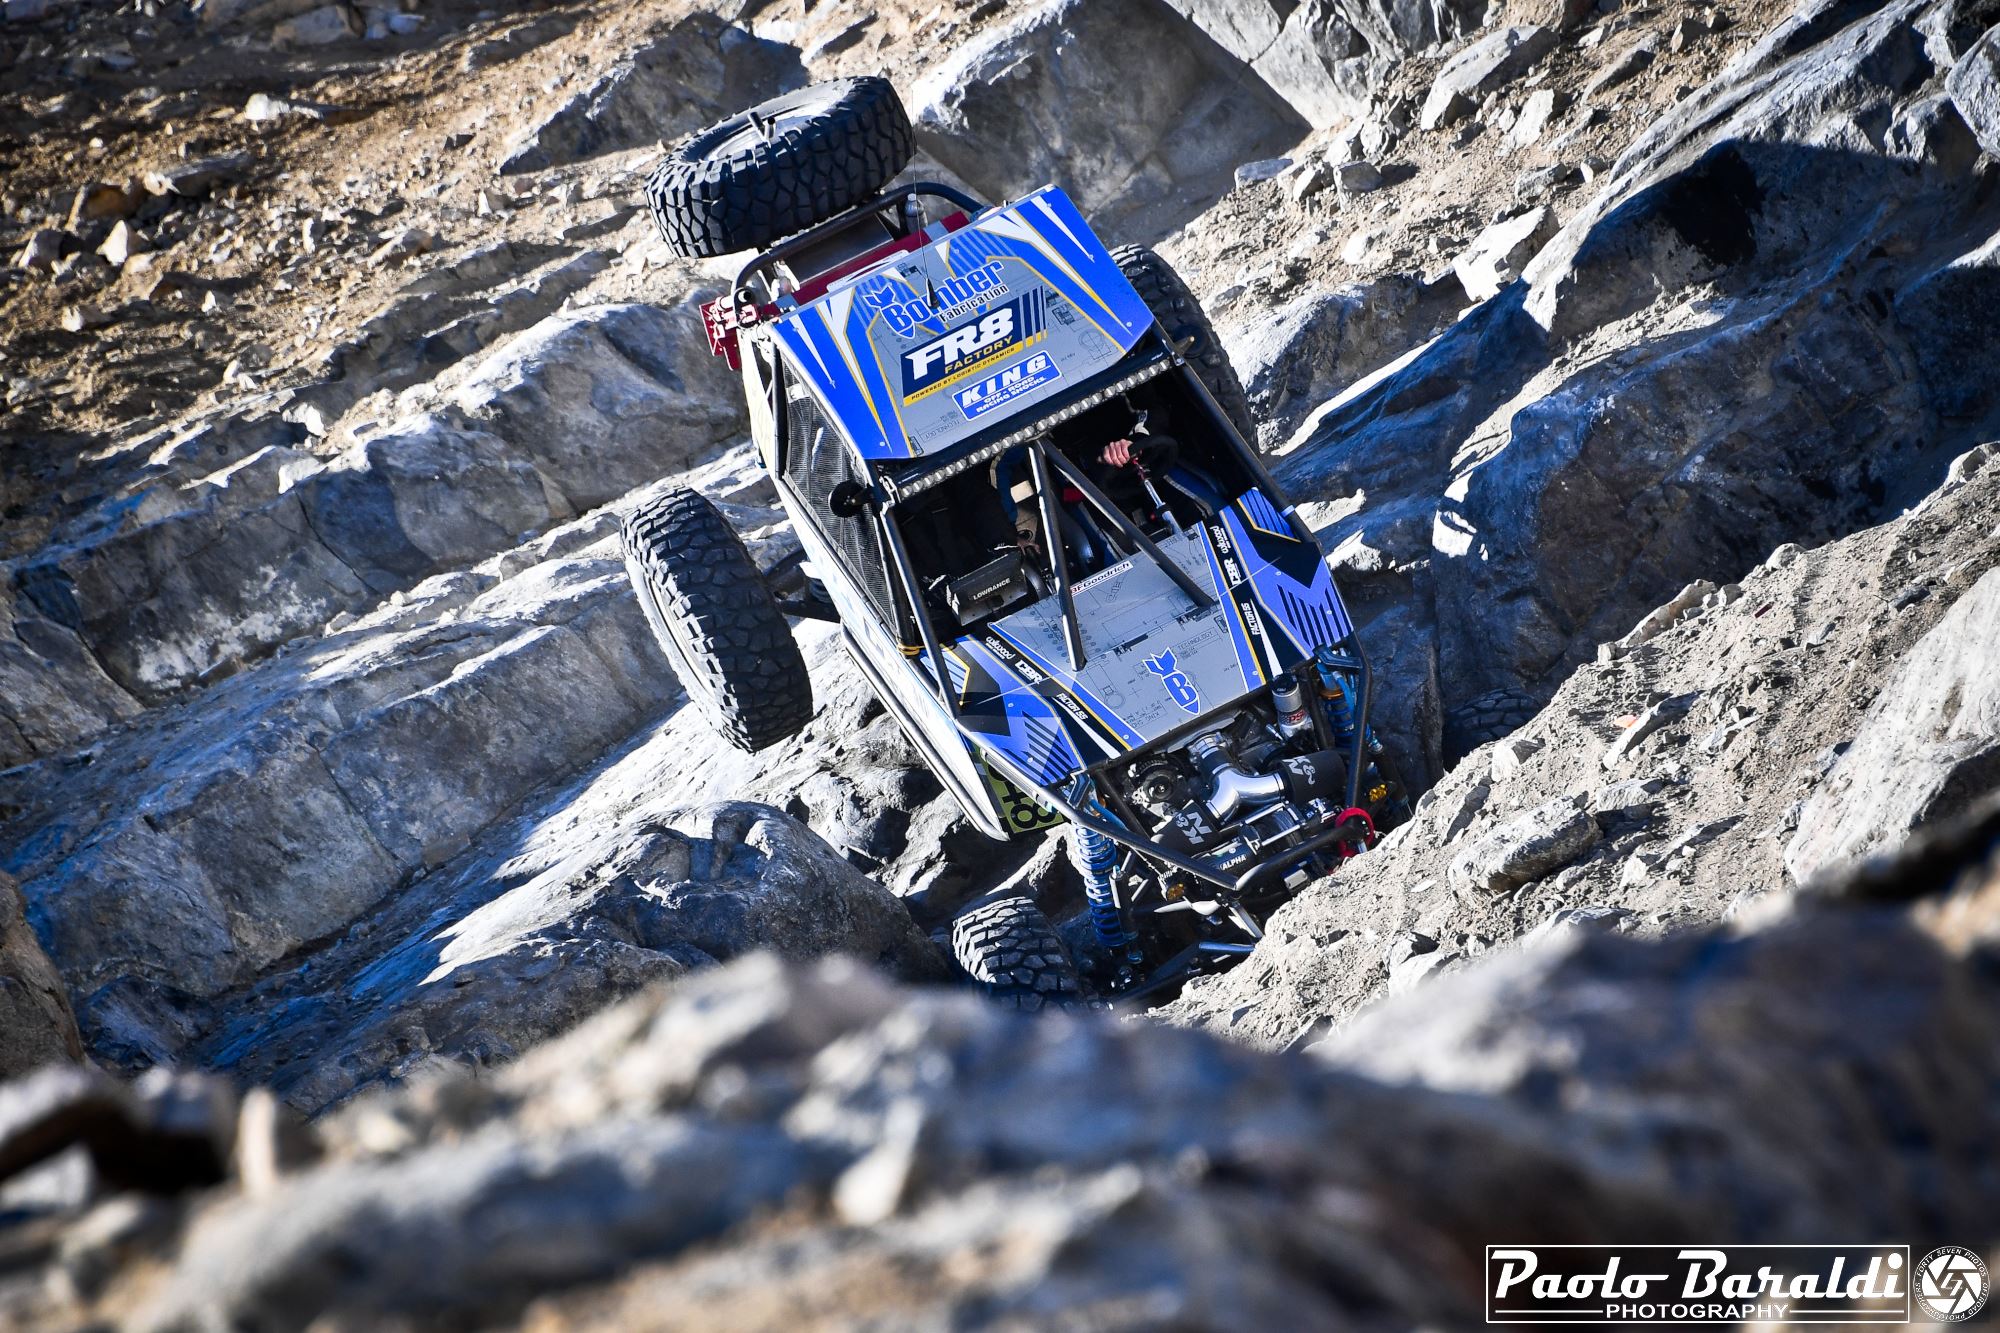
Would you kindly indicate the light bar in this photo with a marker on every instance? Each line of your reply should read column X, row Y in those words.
column 894, row 492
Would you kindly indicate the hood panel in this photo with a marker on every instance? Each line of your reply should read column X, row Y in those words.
column 979, row 325
column 1153, row 661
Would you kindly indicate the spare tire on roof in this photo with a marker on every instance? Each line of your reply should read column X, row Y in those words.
column 780, row 167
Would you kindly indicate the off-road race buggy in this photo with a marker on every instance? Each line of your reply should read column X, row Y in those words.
column 1147, row 646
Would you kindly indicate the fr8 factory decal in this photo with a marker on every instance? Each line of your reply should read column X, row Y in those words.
column 972, row 347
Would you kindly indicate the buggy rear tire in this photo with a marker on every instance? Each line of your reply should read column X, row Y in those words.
column 1183, row 318
column 1008, row 948
column 779, row 167
column 1490, row 717
column 717, row 621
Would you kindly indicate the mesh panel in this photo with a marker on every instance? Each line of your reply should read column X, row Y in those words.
column 815, row 462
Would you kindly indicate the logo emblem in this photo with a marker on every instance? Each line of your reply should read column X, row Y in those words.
column 1952, row 1284
column 1178, row 685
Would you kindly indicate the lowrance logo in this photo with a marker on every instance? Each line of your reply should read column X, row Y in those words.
column 970, row 348
column 983, row 395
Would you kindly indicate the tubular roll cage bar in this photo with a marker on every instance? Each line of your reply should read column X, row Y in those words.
column 887, row 492
column 1043, row 458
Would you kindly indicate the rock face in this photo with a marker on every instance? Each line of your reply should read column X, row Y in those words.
column 1731, row 720
column 36, row 1025
column 537, row 943
column 694, row 74
column 1328, row 58
column 1745, row 258
column 1589, row 1086
column 1929, row 747
column 1050, row 97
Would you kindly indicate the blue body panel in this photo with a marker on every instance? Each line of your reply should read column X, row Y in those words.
column 979, row 325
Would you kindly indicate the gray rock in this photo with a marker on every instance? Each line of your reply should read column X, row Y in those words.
column 195, row 180
column 1525, row 848
column 1697, row 1084
column 1329, row 58
column 1541, row 107
column 1049, row 96
column 1486, row 66
column 42, row 250
column 1357, row 177
column 529, row 955
column 317, row 27
column 1628, row 65
column 1651, row 720
column 1974, row 87
column 1308, row 350
column 1499, row 254
column 1263, row 169
column 1929, row 747
column 698, row 71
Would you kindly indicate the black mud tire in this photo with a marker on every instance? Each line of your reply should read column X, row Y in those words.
column 1490, row 717
column 1010, row 951
column 1182, row 317
column 717, row 621
column 831, row 146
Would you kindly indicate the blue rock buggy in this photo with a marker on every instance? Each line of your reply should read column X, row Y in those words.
column 1142, row 642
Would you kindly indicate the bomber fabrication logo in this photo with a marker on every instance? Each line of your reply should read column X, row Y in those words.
column 1693, row 1284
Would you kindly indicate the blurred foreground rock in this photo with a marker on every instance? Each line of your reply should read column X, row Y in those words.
column 768, row 1145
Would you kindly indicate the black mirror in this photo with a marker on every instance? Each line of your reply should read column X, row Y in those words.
column 850, row 499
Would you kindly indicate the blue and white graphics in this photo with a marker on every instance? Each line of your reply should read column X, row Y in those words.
column 972, row 347
column 982, row 396
column 1179, row 687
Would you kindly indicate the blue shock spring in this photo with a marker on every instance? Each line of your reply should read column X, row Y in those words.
column 1096, row 860
column 1339, row 701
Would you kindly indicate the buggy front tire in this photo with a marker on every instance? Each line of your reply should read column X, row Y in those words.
column 1010, row 951
column 717, row 621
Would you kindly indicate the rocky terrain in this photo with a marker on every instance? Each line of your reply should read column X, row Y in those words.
column 1634, row 362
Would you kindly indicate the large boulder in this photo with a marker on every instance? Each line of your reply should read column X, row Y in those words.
column 191, row 579
column 1974, row 87
column 1330, row 58
column 515, row 949
column 695, row 73
column 1929, row 748
column 1050, row 97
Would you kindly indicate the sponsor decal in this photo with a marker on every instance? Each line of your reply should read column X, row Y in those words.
column 963, row 352
column 904, row 311
column 1952, row 1284
column 982, row 396
column 1720, row 1284
column 1179, row 687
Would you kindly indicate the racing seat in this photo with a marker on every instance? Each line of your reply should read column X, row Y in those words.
column 965, row 551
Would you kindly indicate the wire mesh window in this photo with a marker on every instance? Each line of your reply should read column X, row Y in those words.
column 816, row 461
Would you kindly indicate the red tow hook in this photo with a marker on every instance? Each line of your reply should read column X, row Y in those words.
column 1369, row 837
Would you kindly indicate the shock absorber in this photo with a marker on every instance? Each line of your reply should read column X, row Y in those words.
column 1096, row 859
column 1333, row 689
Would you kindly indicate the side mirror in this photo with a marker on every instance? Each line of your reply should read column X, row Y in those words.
column 850, row 499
